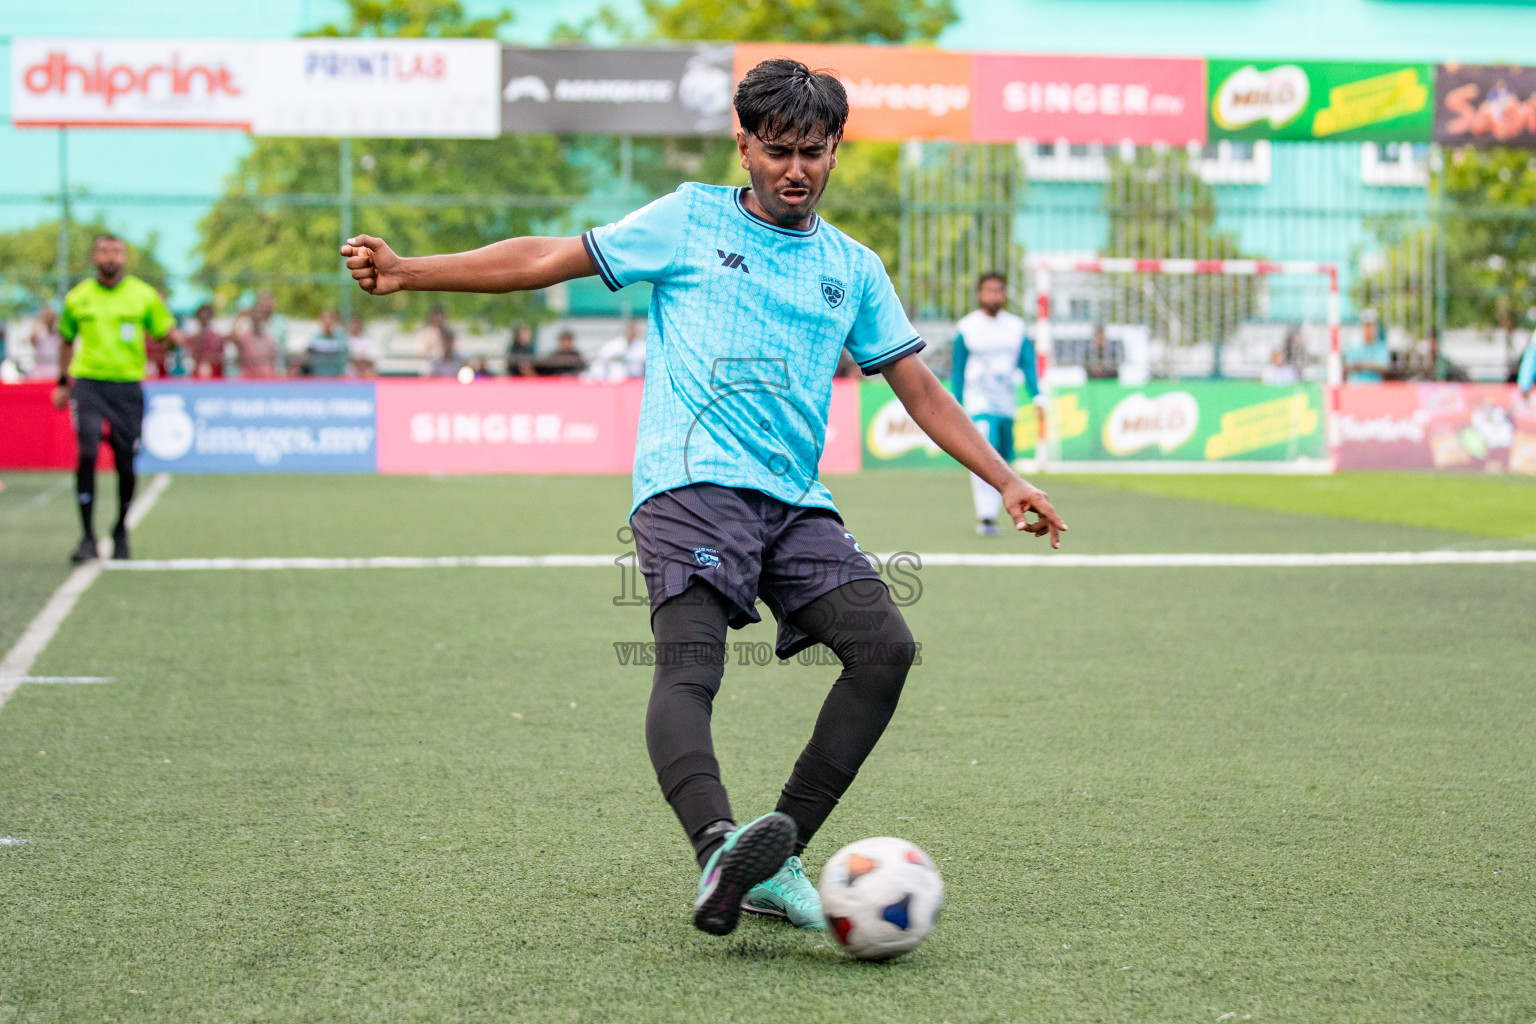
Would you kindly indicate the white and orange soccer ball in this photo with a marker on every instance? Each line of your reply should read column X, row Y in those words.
column 881, row 897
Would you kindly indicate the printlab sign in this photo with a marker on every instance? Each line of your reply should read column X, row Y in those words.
column 671, row 91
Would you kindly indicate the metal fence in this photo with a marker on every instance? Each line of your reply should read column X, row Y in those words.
column 965, row 209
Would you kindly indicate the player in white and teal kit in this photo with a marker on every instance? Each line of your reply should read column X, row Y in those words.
column 991, row 355
column 754, row 298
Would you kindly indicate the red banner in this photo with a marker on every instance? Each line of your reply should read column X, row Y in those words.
column 35, row 435
column 554, row 426
column 1089, row 99
column 1453, row 427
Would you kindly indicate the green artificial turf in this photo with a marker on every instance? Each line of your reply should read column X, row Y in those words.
column 1491, row 506
column 39, row 527
column 423, row 795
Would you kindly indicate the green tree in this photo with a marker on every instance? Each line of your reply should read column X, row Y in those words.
column 802, row 21
column 1484, row 238
column 28, row 261
column 1160, row 208
column 277, row 225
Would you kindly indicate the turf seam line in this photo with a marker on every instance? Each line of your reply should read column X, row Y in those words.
column 1341, row 559
column 15, row 669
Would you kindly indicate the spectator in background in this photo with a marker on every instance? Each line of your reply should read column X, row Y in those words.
column 157, row 357
column 564, row 361
column 45, row 345
column 1295, row 348
column 621, row 357
column 205, row 346
column 1435, row 365
column 521, row 352
column 1103, row 362
column 255, row 349
column 1368, row 360
column 362, row 351
column 448, row 362
column 1279, row 372
column 479, row 367
column 432, row 341
column 273, row 324
column 326, row 354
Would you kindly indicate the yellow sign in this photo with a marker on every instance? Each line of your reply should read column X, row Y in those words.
column 1371, row 101
column 1260, row 426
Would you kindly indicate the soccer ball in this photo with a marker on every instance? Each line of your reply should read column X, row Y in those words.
column 881, row 897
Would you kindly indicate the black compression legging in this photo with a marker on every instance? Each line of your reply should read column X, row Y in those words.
column 861, row 626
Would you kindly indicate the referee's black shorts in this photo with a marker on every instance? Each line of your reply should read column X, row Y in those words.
column 116, row 402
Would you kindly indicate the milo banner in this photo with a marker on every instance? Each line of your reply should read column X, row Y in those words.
column 1174, row 421
column 1485, row 105
column 1366, row 102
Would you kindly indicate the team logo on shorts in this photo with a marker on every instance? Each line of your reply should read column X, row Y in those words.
column 707, row 557
column 833, row 291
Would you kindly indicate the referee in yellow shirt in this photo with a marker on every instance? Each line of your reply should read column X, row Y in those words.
column 104, row 324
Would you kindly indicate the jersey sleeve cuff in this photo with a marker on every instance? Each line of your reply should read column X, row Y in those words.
column 906, row 348
column 604, row 271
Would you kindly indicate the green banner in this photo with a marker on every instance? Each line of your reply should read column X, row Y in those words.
column 1365, row 102
column 1175, row 421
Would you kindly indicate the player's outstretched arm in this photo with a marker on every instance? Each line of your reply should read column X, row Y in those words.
column 513, row 265
column 941, row 418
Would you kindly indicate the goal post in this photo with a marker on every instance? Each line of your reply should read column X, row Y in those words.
column 1187, row 300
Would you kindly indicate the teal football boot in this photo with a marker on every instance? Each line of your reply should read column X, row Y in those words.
column 749, row 855
column 790, row 895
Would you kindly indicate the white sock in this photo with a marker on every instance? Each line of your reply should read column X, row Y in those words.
column 988, row 501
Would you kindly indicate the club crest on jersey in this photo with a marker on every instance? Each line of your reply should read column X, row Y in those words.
column 833, row 291
column 707, row 557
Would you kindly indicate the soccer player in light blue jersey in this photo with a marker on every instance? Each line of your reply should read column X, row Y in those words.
column 754, row 299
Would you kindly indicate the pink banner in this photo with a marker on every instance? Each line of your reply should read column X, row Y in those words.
column 1451, row 427
column 1089, row 99
column 550, row 426
column 553, row 426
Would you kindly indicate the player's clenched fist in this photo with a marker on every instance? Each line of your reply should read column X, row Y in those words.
column 374, row 265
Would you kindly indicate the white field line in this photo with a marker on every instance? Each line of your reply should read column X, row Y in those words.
column 1152, row 561
column 66, row 679
column 16, row 667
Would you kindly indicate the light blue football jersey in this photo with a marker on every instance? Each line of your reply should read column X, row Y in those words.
column 747, row 322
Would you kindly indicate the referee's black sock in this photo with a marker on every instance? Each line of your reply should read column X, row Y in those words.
column 127, row 482
column 85, row 493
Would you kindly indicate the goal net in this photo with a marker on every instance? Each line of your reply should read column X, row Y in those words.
column 1183, row 365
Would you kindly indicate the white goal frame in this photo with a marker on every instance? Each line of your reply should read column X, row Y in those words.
column 1045, row 266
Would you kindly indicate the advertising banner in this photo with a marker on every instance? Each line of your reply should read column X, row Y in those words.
column 1456, row 427
column 1366, row 102
column 553, row 426
column 145, row 83
column 1089, row 99
column 1175, row 421
column 378, row 88
column 1485, row 105
column 893, row 92
column 240, row 427
column 656, row 91
column 550, row 426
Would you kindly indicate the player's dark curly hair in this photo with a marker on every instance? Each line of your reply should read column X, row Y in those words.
column 782, row 99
